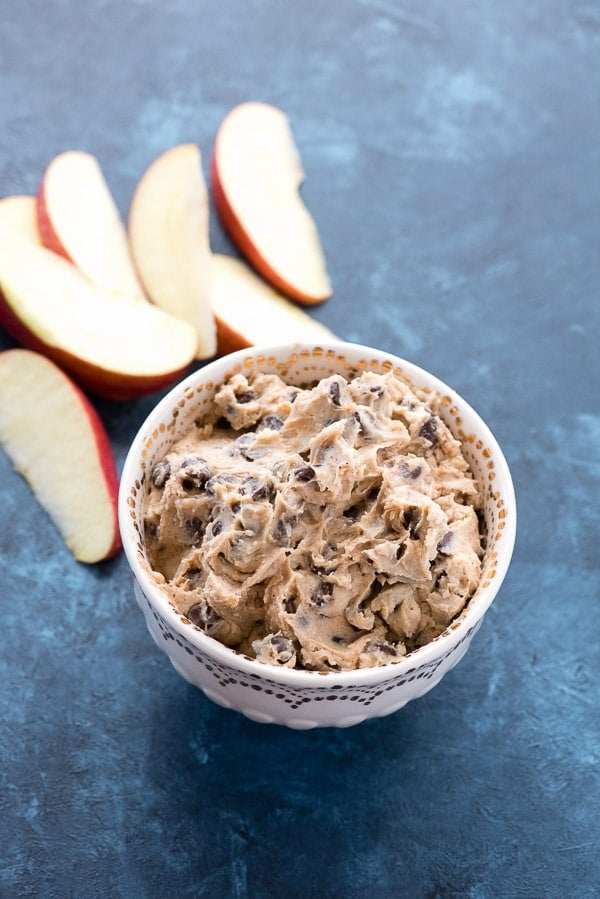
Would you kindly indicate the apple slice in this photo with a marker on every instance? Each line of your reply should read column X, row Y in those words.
column 18, row 218
column 250, row 312
column 55, row 439
column 116, row 346
column 78, row 218
column 169, row 236
column 256, row 173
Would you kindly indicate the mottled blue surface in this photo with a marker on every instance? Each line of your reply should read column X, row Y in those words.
column 453, row 160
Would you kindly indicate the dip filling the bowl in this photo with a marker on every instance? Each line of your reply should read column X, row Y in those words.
column 329, row 527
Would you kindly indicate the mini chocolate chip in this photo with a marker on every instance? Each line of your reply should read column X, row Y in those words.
column 161, row 474
column 274, row 422
column 249, row 485
column 357, row 418
column 244, row 442
column 203, row 615
column 386, row 648
column 304, row 474
column 405, row 471
column 334, row 393
column 193, row 577
column 282, row 532
column 245, row 396
column 263, row 491
column 377, row 389
column 289, row 604
column 320, row 569
column 401, row 550
column 428, row 431
column 283, row 646
column 236, row 507
column 438, row 580
column 256, row 488
column 321, row 595
column 193, row 462
column 338, row 640
column 246, row 448
column 194, row 473
column 193, row 529
column 444, row 544
column 411, row 520
column 210, row 486
column 216, row 527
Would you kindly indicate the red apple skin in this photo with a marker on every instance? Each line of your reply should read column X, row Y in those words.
column 228, row 340
column 47, row 233
column 107, row 464
column 240, row 238
column 100, row 381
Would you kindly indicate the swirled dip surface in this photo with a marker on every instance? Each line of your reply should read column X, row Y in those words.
column 332, row 527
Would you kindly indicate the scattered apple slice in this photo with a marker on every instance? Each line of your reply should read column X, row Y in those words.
column 18, row 218
column 256, row 173
column 55, row 439
column 250, row 312
column 116, row 346
column 169, row 236
column 78, row 218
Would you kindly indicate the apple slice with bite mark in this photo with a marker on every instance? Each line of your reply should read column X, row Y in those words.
column 56, row 440
column 115, row 346
column 169, row 237
column 18, row 218
column 79, row 219
column 256, row 173
column 250, row 312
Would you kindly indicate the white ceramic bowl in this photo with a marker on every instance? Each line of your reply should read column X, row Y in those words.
column 297, row 698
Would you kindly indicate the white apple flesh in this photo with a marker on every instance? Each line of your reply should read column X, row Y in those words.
column 79, row 219
column 115, row 346
column 18, row 218
column 250, row 312
column 169, row 237
column 56, row 441
column 256, row 173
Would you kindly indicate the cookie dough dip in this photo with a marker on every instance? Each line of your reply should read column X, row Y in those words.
column 329, row 527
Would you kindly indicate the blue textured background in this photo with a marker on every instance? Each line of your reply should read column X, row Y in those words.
column 453, row 161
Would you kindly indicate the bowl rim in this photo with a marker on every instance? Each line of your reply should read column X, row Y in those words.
column 425, row 655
